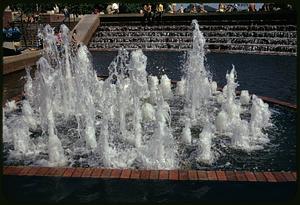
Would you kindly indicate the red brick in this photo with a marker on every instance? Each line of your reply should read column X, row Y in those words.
column 183, row 175
column 221, row 176
column 163, row 174
column 240, row 175
column 60, row 171
column 192, row 175
column 51, row 171
column 279, row 177
column 116, row 173
column 202, row 175
column 87, row 172
column 42, row 171
column 96, row 172
column 32, row 171
column 145, row 174
column 230, row 176
column 270, row 177
column 5, row 170
column 106, row 173
column 135, row 174
column 250, row 176
column 68, row 172
column 12, row 170
column 154, row 174
column 78, row 172
column 125, row 174
column 295, row 175
column 260, row 177
column 289, row 176
column 211, row 175
column 24, row 171
column 173, row 175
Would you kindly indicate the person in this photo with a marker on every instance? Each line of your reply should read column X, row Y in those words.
column 14, row 35
column 251, row 7
column 193, row 10
column 66, row 14
column 112, row 8
column 11, row 37
column 75, row 43
column 181, row 10
column 202, row 10
column 266, row 7
column 148, row 13
column 174, row 8
column 115, row 8
column 56, row 9
column 159, row 12
column 58, row 39
column 74, row 36
column 232, row 8
column 221, row 8
column 96, row 11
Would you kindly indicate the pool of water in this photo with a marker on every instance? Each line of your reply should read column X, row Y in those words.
column 255, row 73
column 55, row 189
column 267, row 75
column 277, row 155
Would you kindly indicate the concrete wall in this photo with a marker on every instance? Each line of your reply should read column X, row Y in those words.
column 86, row 27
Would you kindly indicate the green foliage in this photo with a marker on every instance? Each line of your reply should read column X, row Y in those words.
column 130, row 7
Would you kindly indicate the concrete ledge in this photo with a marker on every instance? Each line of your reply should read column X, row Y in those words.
column 86, row 27
column 186, row 175
column 19, row 62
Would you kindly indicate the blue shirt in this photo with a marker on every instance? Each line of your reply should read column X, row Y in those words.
column 13, row 34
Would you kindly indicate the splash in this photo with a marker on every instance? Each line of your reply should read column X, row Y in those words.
column 69, row 117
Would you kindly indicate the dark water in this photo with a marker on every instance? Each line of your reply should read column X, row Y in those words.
column 55, row 189
column 277, row 155
column 273, row 76
column 13, row 83
column 267, row 75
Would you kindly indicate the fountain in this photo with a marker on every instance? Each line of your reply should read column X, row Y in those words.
column 69, row 117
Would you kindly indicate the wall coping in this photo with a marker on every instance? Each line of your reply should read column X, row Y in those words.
column 134, row 174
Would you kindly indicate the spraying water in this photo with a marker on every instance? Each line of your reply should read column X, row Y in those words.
column 71, row 118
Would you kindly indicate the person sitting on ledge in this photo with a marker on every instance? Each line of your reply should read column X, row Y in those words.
column 251, row 7
column 148, row 13
column 194, row 9
column 159, row 12
column 66, row 14
column 112, row 8
column 11, row 40
column 174, row 8
column 181, row 10
column 221, row 8
column 14, row 35
column 202, row 10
